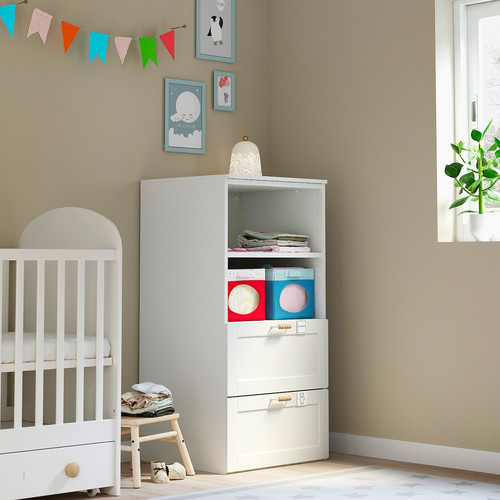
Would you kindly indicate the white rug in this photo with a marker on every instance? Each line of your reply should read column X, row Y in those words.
column 370, row 483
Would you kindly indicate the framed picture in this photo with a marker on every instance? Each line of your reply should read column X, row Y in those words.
column 185, row 104
column 215, row 30
column 224, row 90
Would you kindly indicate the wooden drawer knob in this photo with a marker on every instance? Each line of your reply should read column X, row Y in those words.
column 72, row 469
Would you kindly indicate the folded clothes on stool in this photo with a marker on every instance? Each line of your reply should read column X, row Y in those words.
column 138, row 404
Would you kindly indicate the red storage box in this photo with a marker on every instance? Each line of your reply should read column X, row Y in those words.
column 246, row 299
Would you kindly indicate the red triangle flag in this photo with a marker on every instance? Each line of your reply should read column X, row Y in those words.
column 168, row 40
column 69, row 32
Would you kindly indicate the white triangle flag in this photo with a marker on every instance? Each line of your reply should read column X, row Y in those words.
column 40, row 23
column 122, row 44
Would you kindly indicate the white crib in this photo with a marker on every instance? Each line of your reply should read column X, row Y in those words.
column 60, row 352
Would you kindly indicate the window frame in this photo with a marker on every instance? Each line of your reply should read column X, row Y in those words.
column 461, row 89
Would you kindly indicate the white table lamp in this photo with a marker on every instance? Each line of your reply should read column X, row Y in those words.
column 245, row 158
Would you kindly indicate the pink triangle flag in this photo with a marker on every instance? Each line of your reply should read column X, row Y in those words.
column 40, row 23
column 122, row 44
column 168, row 40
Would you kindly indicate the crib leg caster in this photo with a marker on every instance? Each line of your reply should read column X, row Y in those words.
column 93, row 492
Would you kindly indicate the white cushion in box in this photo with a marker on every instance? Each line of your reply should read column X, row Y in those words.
column 275, row 429
column 274, row 356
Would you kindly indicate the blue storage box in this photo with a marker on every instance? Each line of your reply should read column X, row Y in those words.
column 289, row 293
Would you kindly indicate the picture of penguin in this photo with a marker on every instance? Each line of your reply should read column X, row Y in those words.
column 215, row 30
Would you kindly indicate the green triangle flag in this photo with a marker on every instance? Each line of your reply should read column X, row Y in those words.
column 148, row 50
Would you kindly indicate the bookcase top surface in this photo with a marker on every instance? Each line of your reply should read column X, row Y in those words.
column 238, row 180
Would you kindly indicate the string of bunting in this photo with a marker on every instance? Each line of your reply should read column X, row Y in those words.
column 98, row 42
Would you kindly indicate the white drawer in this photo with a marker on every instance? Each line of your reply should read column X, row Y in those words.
column 41, row 472
column 266, row 356
column 264, row 431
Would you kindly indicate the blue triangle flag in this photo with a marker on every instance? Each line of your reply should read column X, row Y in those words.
column 8, row 15
column 98, row 46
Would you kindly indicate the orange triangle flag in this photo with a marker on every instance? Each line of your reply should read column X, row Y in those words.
column 69, row 32
column 168, row 40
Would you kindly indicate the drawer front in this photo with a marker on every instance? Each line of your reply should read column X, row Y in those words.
column 277, row 356
column 277, row 429
column 42, row 472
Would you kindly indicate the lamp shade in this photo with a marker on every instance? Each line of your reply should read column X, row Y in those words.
column 245, row 158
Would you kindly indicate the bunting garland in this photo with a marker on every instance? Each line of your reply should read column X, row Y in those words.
column 168, row 40
column 148, row 50
column 69, row 32
column 8, row 15
column 40, row 23
column 122, row 44
column 98, row 46
column 98, row 42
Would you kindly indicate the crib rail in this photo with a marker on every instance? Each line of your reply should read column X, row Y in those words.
column 45, row 254
column 31, row 366
column 79, row 279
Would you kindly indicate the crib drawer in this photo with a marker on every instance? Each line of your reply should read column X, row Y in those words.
column 274, row 356
column 42, row 472
column 277, row 429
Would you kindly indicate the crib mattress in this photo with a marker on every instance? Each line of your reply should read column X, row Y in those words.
column 50, row 347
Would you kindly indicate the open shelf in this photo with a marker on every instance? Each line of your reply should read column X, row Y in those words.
column 274, row 255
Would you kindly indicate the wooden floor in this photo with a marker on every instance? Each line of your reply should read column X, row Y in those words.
column 204, row 481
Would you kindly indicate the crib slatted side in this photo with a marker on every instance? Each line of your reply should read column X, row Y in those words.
column 19, row 334
column 40, row 341
column 61, row 291
column 38, row 281
column 99, row 342
column 2, row 277
column 80, row 325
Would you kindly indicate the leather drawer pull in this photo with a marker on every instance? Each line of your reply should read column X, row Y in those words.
column 279, row 329
column 279, row 402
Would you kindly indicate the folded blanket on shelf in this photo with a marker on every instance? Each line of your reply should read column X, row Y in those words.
column 252, row 239
column 248, row 233
column 279, row 248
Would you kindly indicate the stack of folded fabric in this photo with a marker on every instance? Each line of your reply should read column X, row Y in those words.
column 273, row 242
column 147, row 400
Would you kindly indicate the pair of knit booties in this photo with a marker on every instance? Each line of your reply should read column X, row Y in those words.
column 162, row 473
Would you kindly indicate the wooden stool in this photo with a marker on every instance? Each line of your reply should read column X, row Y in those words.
column 130, row 425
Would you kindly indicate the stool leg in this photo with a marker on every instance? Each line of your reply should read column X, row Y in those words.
column 182, row 448
column 136, row 456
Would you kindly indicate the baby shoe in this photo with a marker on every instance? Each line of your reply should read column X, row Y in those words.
column 159, row 472
column 176, row 471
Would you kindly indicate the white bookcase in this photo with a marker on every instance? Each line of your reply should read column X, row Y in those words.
column 250, row 395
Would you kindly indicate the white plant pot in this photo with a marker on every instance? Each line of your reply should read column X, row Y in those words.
column 485, row 227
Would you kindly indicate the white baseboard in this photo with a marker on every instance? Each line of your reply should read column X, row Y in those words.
column 419, row 453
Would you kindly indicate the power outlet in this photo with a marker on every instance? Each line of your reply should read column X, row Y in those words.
column 301, row 398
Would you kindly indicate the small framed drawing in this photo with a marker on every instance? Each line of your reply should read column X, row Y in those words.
column 224, row 90
column 185, row 104
column 215, row 30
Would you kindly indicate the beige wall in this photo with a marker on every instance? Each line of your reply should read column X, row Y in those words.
column 350, row 98
column 413, row 346
column 80, row 134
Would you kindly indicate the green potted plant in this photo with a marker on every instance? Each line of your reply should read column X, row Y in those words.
column 476, row 178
